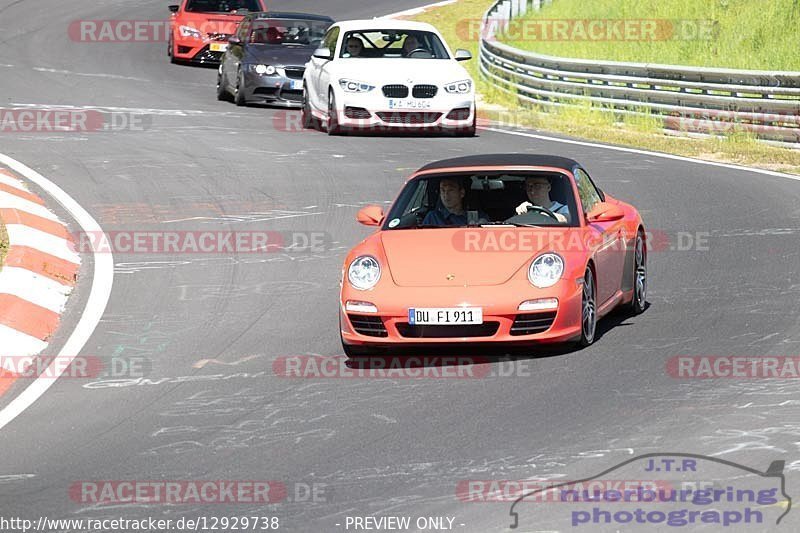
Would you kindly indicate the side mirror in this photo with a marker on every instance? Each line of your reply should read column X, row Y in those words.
column 463, row 55
column 234, row 40
column 323, row 53
column 605, row 212
column 174, row 9
column 372, row 215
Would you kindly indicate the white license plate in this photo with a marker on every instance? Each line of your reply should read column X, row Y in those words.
column 409, row 104
column 297, row 85
column 445, row 316
column 218, row 47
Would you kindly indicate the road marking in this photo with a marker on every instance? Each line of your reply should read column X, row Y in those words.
column 102, row 282
column 644, row 152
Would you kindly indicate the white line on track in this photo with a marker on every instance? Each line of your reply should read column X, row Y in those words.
column 102, row 282
column 644, row 152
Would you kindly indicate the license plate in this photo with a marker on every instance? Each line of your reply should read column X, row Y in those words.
column 409, row 104
column 297, row 85
column 219, row 47
column 445, row 316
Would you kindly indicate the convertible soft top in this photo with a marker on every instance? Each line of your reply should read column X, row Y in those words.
column 499, row 160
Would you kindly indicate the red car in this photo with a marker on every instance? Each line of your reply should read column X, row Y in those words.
column 508, row 248
column 199, row 29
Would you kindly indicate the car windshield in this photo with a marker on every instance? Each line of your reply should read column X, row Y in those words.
column 393, row 44
column 222, row 6
column 518, row 199
column 287, row 32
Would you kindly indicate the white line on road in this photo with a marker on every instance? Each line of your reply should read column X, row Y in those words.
column 102, row 282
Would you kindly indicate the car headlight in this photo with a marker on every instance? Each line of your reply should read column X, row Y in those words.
column 459, row 87
column 264, row 70
column 353, row 86
column 364, row 272
column 188, row 31
column 546, row 270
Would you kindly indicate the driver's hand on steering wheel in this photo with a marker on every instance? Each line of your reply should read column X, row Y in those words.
column 523, row 208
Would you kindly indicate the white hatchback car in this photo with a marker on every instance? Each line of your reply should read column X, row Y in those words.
column 386, row 74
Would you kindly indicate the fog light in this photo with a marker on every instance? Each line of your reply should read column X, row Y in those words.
column 542, row 304
column 360, row 307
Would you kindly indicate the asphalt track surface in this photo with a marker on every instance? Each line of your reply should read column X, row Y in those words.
column 382, row 447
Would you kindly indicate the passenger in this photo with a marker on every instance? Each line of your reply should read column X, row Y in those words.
column 451, row 212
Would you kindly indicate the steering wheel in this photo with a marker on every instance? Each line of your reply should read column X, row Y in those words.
column 415, row 50
column 543, row 210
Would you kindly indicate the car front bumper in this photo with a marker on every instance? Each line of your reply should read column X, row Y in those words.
column 374, row 111
column 278, row 90
column 503, row 322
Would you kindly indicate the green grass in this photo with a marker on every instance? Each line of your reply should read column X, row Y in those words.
column 590, row 122
column 741, row 34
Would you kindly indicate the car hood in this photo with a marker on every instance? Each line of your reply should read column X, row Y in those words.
column 445, row 257
column 279, row 55
column 380, row 72
column 211, row 22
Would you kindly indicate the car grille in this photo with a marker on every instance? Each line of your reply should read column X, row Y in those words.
column 487, row 329
column 207, row 56
column 460, row 113
column 356, row 112
column 295, row 73
column 424, row 91
column 398, row 117
column 395, row 91
column 371, row 326
column 531, row 323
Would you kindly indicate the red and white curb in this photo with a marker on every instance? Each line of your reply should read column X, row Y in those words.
column 37, row 277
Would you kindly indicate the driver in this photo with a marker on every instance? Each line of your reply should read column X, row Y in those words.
column 354, row 47
column 451, row 213
column 538, row 189
column 411, row 43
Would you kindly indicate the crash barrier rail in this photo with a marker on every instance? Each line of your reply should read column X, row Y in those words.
column 690, row 99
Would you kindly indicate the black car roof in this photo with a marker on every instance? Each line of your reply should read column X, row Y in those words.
column 497, row 160
column 262, row 15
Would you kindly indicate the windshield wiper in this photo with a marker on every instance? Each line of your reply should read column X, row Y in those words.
column 515, row 224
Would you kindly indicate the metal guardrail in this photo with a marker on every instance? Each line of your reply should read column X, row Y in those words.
column 691, row 99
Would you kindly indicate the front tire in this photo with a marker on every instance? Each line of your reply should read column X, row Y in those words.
column 333, row 127
column 222, row 93
column 471, row 130
column 307, row 116
column 588, row 309
column 239, row 98
column 639, row 300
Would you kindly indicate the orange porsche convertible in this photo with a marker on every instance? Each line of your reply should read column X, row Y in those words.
column 505, row 248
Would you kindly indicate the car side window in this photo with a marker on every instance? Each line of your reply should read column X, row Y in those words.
column 329, row 41
column 586, row 189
